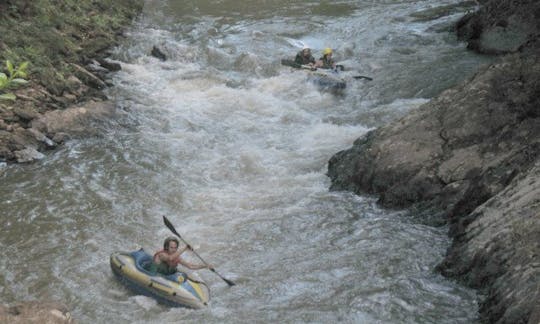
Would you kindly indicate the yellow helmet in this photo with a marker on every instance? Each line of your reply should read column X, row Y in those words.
column 327, row 51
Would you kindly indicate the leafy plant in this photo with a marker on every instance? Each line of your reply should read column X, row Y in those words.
column 13, row 79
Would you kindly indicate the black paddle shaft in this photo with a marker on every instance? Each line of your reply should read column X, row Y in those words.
column 171, row 227
column 362, row 77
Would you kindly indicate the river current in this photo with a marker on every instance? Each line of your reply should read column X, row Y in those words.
column 233, row 148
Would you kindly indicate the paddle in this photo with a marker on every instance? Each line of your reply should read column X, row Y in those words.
column 362, row 77
column 171, row 227
column 342, row 68
column 308, row 67
column 292, row 63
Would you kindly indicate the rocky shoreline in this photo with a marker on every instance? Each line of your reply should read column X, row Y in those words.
column 470, row 158
column 66, row 46
column 36, row 312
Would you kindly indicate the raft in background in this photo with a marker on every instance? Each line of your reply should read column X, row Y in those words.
column 177, row 290
column 324, row 79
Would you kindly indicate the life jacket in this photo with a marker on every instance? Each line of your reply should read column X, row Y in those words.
column 171, row 263
column 327, row 62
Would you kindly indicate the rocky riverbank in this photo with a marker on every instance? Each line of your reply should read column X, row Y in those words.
column 470, row 158
column 36, row 312
column 66, row 44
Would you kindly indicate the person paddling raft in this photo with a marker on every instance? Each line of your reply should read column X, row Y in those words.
column 165, row 261
column 304, row 57
column 326, row 61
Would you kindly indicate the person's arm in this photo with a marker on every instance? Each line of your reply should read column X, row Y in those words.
column 182, row 250
column 193, row 266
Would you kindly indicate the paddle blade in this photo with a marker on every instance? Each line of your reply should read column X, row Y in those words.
column 170, row 226
column 229, row 282
column 362, row 77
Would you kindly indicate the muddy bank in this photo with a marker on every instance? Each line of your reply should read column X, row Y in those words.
column 470, row 158
column 66, row 45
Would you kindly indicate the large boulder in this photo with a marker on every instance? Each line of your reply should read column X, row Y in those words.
column 75, row 121
column 456, row 151
column 471, row 156
column 501, row 26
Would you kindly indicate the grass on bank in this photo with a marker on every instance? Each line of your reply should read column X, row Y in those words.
column 50, row 34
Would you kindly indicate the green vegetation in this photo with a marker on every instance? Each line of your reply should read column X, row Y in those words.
column 51, row 34
column 14, row 79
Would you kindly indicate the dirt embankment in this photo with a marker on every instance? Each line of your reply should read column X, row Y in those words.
column 471, row 158
column 66, row 44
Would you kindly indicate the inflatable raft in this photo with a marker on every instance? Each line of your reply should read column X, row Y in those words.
column 324, row 79
column 178, row 290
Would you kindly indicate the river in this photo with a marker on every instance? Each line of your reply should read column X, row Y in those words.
column 233, row 148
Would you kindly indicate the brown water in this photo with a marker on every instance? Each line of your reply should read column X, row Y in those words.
column 233, row 148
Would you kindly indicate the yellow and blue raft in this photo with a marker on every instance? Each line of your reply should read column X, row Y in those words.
column 178, row 289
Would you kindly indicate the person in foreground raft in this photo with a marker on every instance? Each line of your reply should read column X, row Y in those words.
column 165, row 261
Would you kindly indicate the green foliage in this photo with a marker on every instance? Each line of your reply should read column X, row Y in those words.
column 51, row 34
column 13, row 79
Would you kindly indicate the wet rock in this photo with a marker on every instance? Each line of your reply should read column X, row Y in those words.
column 74, row 82
column 95, row 67
column 35, row 312
column 66, row 100
column 53, row 85
column 156, row 52
column 69, row 98
column 109, row 65
column 88, row 77
column 26, row 113
column 98, row 44
column 501, row 26
column 476, row 132
column 39, row 136
column 74, row 121
column 60, row 137
column 6, row 153
column 17, row 139
column 442, row 11
column 8, row 115
column 28, row 154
